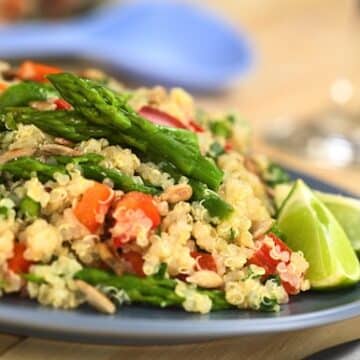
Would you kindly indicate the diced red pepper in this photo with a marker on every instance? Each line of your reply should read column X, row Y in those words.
column 262, row 256
column 30, row 70
column 204, row 261
column 135, row 261
column 195, row 126
column 228, row 146
column 128, row 219
column 135, row 200
column 291, row 290
column 62, row 104
column 18, row 264
column 263, row 259
column 93, row 206
column 159, row 117
column 3, row 86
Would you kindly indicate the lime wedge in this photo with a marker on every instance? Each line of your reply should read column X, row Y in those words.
column 311, row 228
column 347, row 212
column 345, row 209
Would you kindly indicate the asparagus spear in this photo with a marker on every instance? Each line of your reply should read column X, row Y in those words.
column 89, row 158
column 120, row 181
column 90, row 168
column 67, row 124
column 21, row 94
column 94, row 101
column 215, row 205
column 148, row 290
column 25, row 167
column 100, row 107
column 71, row 125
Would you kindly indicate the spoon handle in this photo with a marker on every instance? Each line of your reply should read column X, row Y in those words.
column 38, row 39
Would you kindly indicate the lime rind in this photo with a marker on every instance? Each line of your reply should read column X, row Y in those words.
column 347, row 212
column 311, row 228
column 345, row 209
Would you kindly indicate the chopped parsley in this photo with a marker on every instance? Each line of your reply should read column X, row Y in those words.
column 216, row 150
column 269, row 304
column 275, row 175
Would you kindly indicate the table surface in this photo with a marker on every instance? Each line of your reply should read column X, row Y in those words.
column 296, row 66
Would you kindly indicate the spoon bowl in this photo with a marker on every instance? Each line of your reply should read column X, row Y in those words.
column 167, row 42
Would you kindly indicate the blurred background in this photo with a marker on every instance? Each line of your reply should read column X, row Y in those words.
column 290, row 67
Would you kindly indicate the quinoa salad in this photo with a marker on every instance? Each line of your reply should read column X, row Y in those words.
column 112, row 196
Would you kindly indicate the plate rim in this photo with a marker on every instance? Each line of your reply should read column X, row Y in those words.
column 145, row 331
column 188, row 330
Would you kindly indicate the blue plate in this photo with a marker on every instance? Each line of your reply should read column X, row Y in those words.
column 157, row 41
column 141, row 325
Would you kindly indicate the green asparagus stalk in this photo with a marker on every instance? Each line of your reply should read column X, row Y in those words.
column 148, row 290
column 72, row 126
column 88, row 158
column 100, row 107
column 25, row 167
column 23, row 93
column 215, row 205
column 66, row 124
column 94, row 101
column 120, row 181
column 90, row 168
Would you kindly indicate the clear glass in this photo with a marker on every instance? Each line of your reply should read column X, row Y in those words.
column 332, row 136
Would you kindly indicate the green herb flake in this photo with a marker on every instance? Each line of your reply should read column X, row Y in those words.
column 4, row 212
column 275, row 175
column 34, row 278
column 269, row 304
column 221, row 128
column 216, row 150
column 277, row 232
column 275, row 278
column 232, row 235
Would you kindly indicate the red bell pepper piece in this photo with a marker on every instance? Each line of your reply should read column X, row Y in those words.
column 159, row 117
column 18, row 264
column 136, row 262
column 228, row 146
column 30, row 70
column 263, row 259
column 204, row 261
column 93, row 206
column 128, row 218
column 3, row 86
column 62, row 104
column 195, row 126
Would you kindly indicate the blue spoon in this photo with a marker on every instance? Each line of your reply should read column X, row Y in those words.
column 167, row 42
